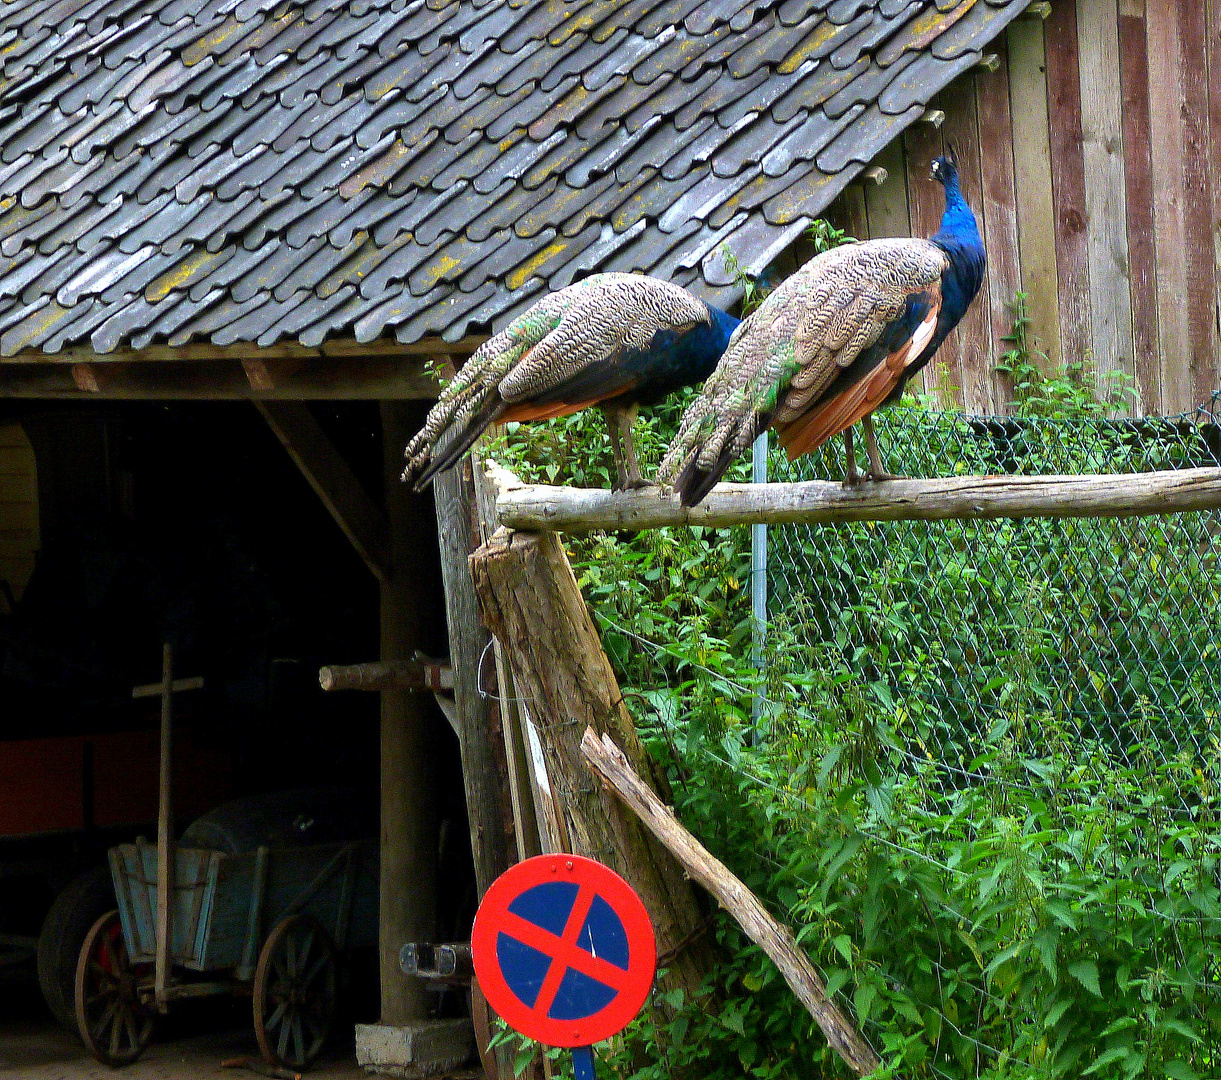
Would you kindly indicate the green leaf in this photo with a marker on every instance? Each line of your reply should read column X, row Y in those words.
column 1086, row 973
column 1180, row 1070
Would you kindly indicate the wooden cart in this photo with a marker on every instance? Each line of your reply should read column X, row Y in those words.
column 271, row 923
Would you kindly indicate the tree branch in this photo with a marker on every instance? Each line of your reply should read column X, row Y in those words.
column 540, row 508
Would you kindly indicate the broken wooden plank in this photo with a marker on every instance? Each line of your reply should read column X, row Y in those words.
column 771, row 935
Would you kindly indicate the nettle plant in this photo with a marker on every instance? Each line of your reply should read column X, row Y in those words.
column 961, row 774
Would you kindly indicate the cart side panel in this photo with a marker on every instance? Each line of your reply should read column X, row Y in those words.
column 134, row 870
column 229, row 917
column 313, row 879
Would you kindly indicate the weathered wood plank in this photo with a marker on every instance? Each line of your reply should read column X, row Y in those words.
column 960, row 129
column 1201, row 357
column 521, row 506
column 1169, row 230
column 998, row 203
column 1032, row 183
column 1105, row 203
column 531, row 602
column 1068, row 182
column 925, row 203
column 481, row 743
column 886, row 203
column 773, row 937
column 1213, row 46
column 1138, row 201
column 377, row 379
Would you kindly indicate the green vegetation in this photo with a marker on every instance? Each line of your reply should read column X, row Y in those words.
column 984, row 788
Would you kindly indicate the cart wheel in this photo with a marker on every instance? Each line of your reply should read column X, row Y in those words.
column 113, row 1022
column 294, row 992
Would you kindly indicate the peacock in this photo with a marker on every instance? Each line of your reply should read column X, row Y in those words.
column 833, row 342
column 614, row 340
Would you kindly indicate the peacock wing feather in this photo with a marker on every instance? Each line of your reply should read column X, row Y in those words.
column 805, row 336
column 563, row 354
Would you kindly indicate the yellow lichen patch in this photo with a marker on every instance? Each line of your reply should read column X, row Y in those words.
column 923, row 30
column 364, row 258
column 442, row 266
column 181, row 275
column 36, row 327
column 511, row 140
column 822, row 34
column 211, row 41
column 531, row 266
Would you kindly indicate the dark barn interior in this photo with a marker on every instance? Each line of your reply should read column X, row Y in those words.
column 188, row 523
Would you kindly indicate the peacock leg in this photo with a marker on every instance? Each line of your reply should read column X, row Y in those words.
column 851, row 476
column 612, row 414
column 876, row 472
column 633, row 479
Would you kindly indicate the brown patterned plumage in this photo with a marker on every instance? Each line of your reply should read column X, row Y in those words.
column 834, row 342
column 615, row 340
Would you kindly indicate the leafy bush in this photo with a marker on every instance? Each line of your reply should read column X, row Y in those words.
column 983, row 784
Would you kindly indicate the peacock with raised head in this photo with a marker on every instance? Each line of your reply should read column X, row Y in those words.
column 614, row 340
column 834, row 341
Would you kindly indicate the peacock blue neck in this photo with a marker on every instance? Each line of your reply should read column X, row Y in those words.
column 958, row 222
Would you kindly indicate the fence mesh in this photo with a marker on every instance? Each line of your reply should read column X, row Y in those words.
column 1107, row 629
column 1043, row 809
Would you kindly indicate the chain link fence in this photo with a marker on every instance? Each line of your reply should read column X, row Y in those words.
column 977, row 763
column 1106, row 630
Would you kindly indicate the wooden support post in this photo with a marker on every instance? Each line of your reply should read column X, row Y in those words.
column 484, row 770
column 773, row 937
column 521, row 506
column 409, row 826
column 410, row 675
column 165, row 834
column 532, row 603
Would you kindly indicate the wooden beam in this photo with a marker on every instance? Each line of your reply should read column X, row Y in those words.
column 339, row 349
column 563, row 509
column 485, row 779
column 388, row 378
column 333, row 481
column 405, row 675
column 772, row 936
column 410, row 799
column 531, row 601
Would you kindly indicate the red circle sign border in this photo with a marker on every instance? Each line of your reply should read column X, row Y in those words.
column 642, row 949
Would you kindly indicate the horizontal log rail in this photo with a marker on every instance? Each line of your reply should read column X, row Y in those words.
column 540, row 508
column 417, row 674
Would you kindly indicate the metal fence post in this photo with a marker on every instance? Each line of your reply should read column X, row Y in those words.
column 758, row 572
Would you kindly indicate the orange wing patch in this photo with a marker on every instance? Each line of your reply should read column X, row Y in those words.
column 828, row 418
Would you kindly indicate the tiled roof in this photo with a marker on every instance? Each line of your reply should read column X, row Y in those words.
column 260, row 170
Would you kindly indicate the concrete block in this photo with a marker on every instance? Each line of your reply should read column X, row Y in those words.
column 417, row 1050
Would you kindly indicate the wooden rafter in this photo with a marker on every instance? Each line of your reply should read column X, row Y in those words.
column 362, row 522
column 381, row 378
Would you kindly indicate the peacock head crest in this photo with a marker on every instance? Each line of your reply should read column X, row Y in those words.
column 945, row 168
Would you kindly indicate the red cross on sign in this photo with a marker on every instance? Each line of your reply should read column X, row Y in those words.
column 564, row 950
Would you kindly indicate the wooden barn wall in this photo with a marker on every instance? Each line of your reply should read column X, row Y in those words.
column 19, row 534
column 1092, row 156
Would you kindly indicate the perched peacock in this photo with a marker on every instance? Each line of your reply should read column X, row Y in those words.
column 614, row 340
column 833, row 342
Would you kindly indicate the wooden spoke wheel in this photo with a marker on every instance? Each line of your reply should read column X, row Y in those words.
column 114, row 1022
column 294, row 992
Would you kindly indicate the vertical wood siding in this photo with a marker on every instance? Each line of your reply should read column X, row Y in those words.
column 1092, row 157
column 19, row 539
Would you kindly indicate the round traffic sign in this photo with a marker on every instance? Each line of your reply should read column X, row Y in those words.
column 564, row 950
